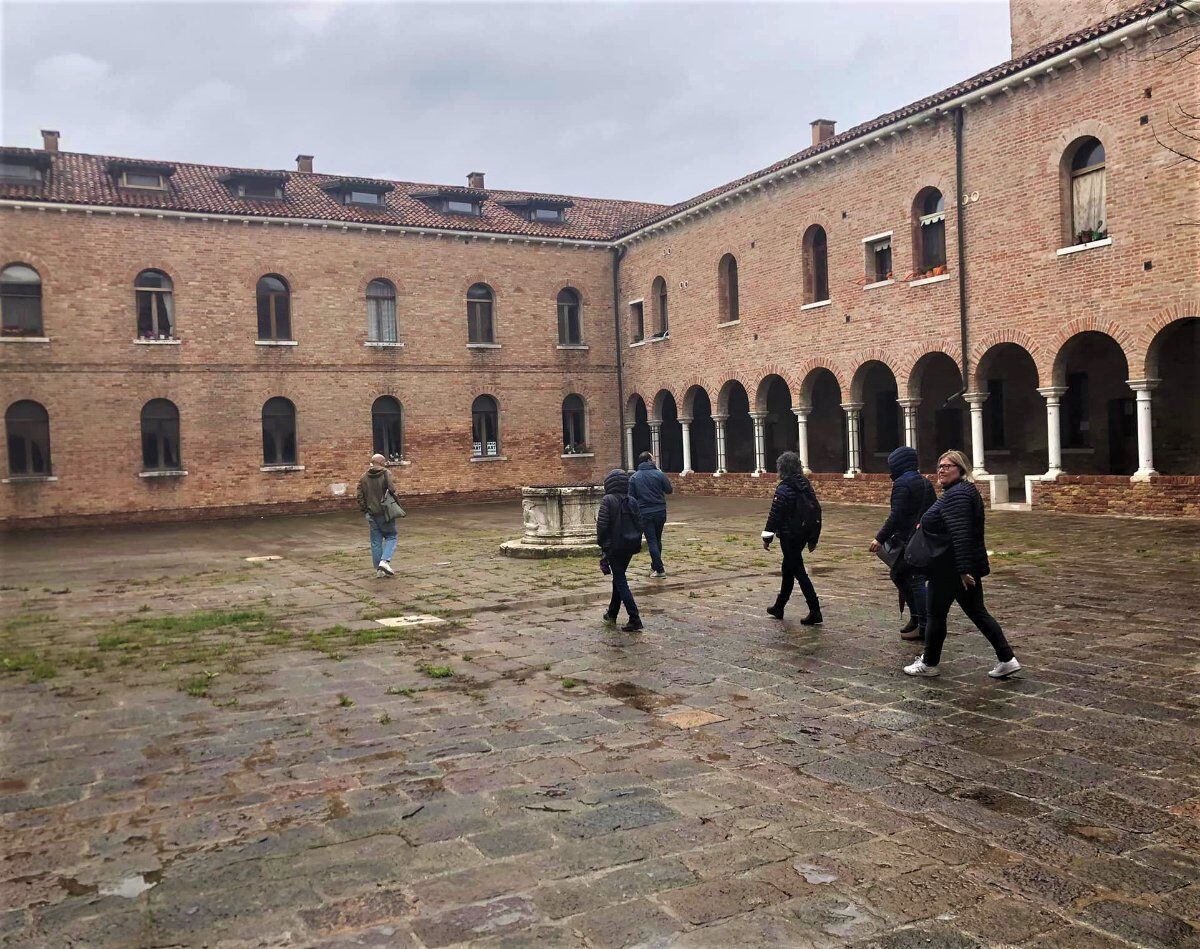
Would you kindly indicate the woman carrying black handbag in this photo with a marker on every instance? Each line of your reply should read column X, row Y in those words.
column 950, row 536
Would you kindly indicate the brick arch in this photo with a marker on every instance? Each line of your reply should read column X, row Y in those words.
column 803, row 391
column 1145, row 353
column 385, row 272
column 1086, row 324
column 1072, row 133
column 251, row 275
column 759, row 398
column 687, row 404
column 654, row 409
column 722, row 405
column 859, row 362
column 1008, row 335
column 130, row 273
column 911, row 381
column 631, row 408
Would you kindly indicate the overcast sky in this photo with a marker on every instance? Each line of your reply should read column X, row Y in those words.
column 647, row 101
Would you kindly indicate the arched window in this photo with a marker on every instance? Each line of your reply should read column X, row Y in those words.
column 658, row 292
column 279, row 432
column 20, row 301
column 381, row 312
column 28, row 429
column 727, row 289
column 155, row 305
column 574, row 418
column 485, row 427
column 816, row 265
column 160, row 436
column 929, row 233
column 1088, row 191
column 387, row 429
column 479, row 314
column 274, row 309
column 570, row 329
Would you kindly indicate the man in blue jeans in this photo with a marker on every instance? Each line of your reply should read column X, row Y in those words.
column 650, row 488
column 371, row 488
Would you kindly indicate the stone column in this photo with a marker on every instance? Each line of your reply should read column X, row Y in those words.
column 1145, row 430
column 976, row 400
column 910, row 421
column 801, row 412
column 719, row 425
column 685, row 425
column 655, row 441
column 1053, row 396
column 853, row 417
column 760, row 448
column 629, row 447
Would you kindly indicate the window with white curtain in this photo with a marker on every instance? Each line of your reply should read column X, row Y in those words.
column 381, row 312
column 1089, row 192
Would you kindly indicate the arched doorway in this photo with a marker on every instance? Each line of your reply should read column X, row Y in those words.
column 1097, row 415
column 1174, row 359
column 670, row 434
column 739, row 429
column 1014, row 415
column 703, row 431
column 942, row 420
column 641, row 427
column 774, row 400
column 882, row 426
column 826, row 423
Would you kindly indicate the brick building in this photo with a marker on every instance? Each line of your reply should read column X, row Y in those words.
column 183, row 340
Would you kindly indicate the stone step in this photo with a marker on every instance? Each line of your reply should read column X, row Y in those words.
column 1012, row 506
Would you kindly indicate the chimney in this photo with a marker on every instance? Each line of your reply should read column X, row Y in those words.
column 304, row 163
column 823, row 130
column 475, row 180
column 49, row 140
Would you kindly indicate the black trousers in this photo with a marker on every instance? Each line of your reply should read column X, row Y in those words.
column 618, row 562
column 912, row 587
column 793, row 570
column 945, row 587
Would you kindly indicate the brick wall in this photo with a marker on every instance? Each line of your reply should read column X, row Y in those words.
column 1034, row 23
column 830, row 488
column 1165, row 496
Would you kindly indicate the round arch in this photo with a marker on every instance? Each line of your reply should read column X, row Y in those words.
column 1098, row 418
column 1173, row 359
column 881, row 430
column 697, row 406
column 821, row 395
column 734, row 404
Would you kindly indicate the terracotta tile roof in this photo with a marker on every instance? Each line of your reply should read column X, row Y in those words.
column 1012, row 66
column 76, row 178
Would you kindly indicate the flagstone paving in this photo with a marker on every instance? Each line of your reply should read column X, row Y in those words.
column 198, row 750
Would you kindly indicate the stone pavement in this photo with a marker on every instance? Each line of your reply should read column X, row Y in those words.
column 197, row 750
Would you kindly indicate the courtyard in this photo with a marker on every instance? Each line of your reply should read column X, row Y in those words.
column 209, row 738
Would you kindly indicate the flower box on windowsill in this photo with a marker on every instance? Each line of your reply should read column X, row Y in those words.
column 816, row 304
column 281, row 468
column 164, row 473
column 922, row 281
column 152, row 341
column 382, row 344
column 24, row 339
column 275, row 342
column 28, row 479
column 1075, row 249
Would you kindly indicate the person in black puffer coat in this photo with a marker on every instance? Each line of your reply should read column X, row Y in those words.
column 912, row 496
column 617, row 511
column 957, row 574
column 796, row 518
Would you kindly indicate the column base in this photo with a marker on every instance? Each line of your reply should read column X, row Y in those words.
column 686, row 472
column 852, row 473
column 717, row 474
column 806, row 470
column 1144, row 475
column 1051, row 475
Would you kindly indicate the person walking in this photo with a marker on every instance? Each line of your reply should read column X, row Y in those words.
column 956, row 574
column 796, row 519
column 650, row 488
column 912, row 496
column 619, row 536
column 373, row 486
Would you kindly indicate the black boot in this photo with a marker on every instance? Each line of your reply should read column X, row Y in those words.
column 633, row 626
column 913, row 632
column 813, row 618
column 776, row 610
column 909, row 626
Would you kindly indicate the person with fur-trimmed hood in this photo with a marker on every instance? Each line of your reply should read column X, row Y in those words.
column 796, row 519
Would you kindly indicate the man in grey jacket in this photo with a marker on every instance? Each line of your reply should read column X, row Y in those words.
column 650, row 488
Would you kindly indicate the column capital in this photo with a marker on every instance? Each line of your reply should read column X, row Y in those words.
column 684, row 420
column 908, row 403
column 1143, row 385
column 719, row 418
column 1052, row 393
column 629, row 428
column 757, row 416
column 852, row 406
column 976, row 398
column 655, row 424
column 802, row 408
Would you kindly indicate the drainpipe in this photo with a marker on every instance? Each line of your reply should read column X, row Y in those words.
column 961, row 229
column 618, row 253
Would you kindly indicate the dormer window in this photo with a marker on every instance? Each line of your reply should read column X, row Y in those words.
column 448, row 200
column 547, row 215
column 141, row 179
column 260, row 185
column 360, row 192
column 23, row 169
column 540, row 210
column 363, row 197
column 141, row 176
column 455, row 206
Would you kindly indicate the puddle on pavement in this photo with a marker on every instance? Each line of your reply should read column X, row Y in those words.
column 814, row 874
column 129, row 887
column 644, row 700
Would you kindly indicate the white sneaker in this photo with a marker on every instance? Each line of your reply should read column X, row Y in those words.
column 387, row 568
column 919, row 668
column 658, row 574
column 1005, row 669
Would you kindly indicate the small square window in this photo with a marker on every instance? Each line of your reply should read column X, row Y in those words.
column 141, row 179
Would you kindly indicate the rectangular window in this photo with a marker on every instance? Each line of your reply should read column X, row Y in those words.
column 462, row 207
column 1075, row 410
column 879, row 260
column 993, row 415
column 138, row 179
column 637, row 315
column 19, row 172
column 154, row 316
column 363, row 197
column 549, row 215
column 259, row 189
column 933, row 241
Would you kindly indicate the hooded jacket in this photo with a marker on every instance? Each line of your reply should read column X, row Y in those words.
column 371, row 488
column 959, row 513
column 795, row 512
column 650, row 487
column 912, row 496
column 616, row 488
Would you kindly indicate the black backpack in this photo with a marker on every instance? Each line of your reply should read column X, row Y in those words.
column 627, row 525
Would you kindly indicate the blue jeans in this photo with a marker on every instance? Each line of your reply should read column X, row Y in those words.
column 383, row 539
column 652, row 527
column 618, row 562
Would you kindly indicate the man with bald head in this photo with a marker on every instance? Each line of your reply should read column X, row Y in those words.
column 372, row 487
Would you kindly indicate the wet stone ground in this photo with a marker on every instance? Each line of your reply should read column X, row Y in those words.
column 201, row 750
